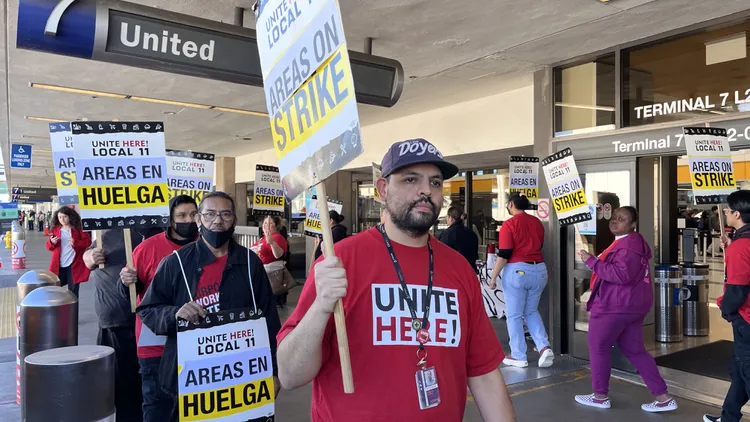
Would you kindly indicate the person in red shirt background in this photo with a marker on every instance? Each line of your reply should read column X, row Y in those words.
column 157, row 406
column 68, row 243
column 735, row 304
column 272, row 246
column 524, row 280
column 388, row 318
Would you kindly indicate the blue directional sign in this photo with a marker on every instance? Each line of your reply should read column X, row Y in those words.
column 20, row 156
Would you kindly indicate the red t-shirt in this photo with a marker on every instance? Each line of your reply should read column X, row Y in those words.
column 737, row 259
column 382, row 343
column 207, row 292
column 264, row 250
column 146, row 258
column 524, row 234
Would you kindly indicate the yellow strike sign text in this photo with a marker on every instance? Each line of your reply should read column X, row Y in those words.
column 316, row 102
column 122, row 196
column 225, row 402
column 570, row 201
column 530, row 193
column 267, row 200
column 713, row 180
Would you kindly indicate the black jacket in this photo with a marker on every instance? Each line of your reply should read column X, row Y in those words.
column 338, row 232
column 167, row 293
column 463, row 240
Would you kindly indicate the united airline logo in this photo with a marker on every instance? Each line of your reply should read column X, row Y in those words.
column 54, row 18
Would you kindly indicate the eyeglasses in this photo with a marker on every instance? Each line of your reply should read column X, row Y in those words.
column 728, row 210
column 211, row 215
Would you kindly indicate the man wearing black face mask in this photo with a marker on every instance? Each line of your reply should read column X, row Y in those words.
column 157, row 406
column 215, row 269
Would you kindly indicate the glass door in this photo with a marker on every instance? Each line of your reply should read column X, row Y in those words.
column 608, row 185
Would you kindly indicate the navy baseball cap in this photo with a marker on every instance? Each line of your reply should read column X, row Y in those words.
column 415, row 151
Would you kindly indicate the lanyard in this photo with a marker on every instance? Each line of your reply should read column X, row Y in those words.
column 416, row 323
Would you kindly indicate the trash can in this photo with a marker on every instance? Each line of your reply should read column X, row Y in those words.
column 49, row 319
column 30, row 280
column 695, row 299
column 668, row 281
column 70, row 384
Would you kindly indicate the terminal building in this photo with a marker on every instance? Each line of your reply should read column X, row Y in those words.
column 615, row 81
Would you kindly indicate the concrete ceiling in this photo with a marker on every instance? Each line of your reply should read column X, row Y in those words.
column 451, row 51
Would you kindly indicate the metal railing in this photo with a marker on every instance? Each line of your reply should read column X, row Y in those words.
column 246, row 235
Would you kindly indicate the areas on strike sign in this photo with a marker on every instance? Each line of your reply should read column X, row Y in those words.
column 312, row 219
column 268, row 196
column 710, row 160
column 121, row 172
column 64, row 163
column 190, row 173
column 309, row 89
column 565, row 188
column 524, row 178
column 225, row 369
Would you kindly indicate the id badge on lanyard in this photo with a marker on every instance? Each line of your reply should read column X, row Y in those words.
column 428, row 392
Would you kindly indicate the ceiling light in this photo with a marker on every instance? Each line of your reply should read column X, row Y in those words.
column 46, row 138
column 169, row 102
column 146, row 99
column 236, row 110
column 585, row 106
column 45, row 119
column 77, row 91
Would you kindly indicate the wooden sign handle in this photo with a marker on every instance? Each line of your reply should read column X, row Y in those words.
column 98, row 235
column 129, row 258
column 338, row 311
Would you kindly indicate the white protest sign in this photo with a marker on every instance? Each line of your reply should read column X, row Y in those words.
column 268, row 195
column 190, row 173
column 312, row 219
column 565, row 188
column 710, row 160
column 64, row 163
column 225, row 368
column 121, row 172
column 523, row 178
column 309, row 90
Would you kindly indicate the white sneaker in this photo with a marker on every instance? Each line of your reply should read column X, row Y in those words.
column 591, row 401
column 547, row 357
column 515, row 362
column 657, row 407
column 709, row 418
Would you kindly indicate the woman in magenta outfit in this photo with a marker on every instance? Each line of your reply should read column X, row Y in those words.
column 620, row 299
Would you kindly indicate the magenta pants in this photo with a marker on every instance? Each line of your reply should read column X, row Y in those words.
column 625, row 331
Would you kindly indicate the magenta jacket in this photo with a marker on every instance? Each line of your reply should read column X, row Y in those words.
column 623, row 285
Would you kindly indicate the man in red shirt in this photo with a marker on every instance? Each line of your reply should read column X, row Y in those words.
column 157, row 406
column 212, row 274
column 735, row 304
column 418, row 332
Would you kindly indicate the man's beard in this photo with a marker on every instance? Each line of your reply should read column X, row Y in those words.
column 414, row 224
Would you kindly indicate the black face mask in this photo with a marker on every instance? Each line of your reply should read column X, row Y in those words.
column 186, row 230
column 216, row 239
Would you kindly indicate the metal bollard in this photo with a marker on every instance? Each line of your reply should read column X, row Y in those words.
column 70, row 384
column 18, row 254
column 49, row 319
column 29, row 281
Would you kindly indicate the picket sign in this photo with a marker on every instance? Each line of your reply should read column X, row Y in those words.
column 338, row 310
